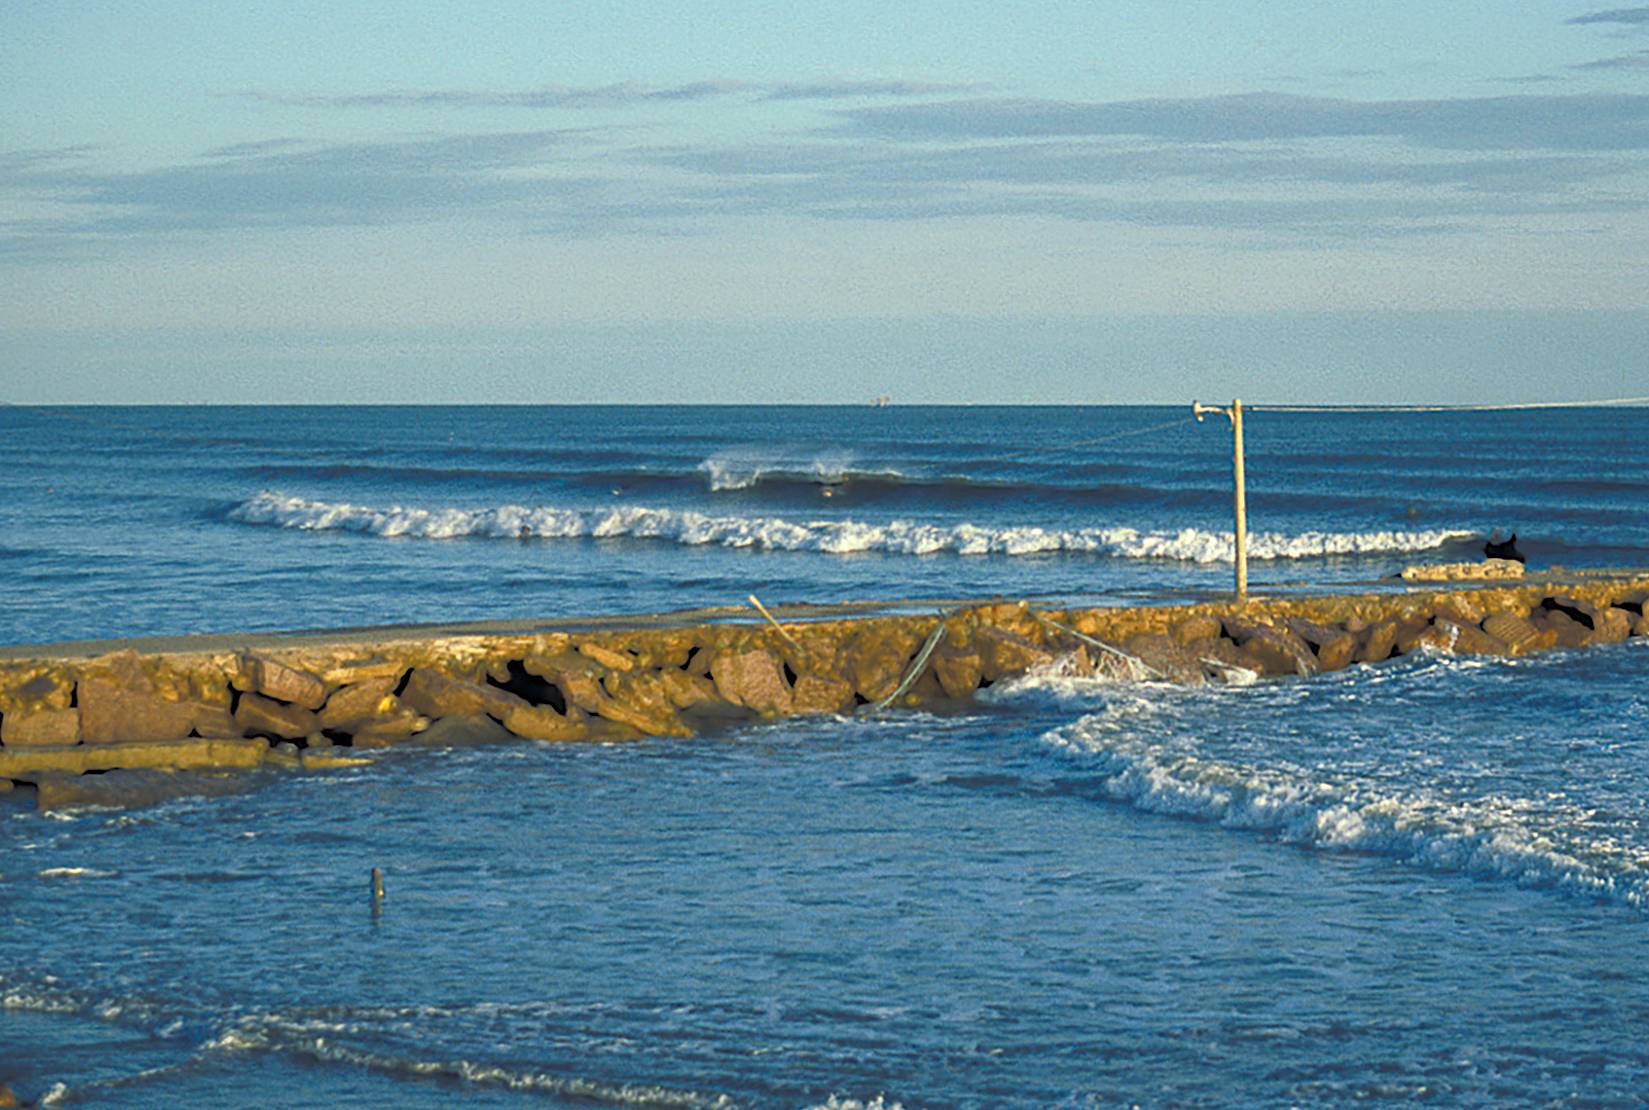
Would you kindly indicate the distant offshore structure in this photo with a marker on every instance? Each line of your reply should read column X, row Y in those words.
column 881, row 402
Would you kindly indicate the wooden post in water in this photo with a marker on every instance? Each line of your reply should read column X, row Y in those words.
column 1240, row 482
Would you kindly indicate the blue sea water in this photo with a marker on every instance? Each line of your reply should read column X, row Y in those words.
column 1422, row 881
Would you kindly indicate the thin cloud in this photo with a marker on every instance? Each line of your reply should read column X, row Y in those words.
column 15, row 164
column 350, row 184
column 624, row 94
column 1063, row 163
column 1636, row 17
column 844, row 90
column 1636, row 60
column 1584, row 122
column 620, row 95
column 1266, row 167
column 249, row 149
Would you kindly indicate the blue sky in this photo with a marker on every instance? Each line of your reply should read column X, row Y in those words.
column 1043, row 202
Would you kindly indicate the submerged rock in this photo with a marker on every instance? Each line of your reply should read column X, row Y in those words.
column 129, row 789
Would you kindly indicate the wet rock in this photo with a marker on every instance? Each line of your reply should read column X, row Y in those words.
column 1468, row 639
column 435, row 695
column 257, row 714
column 1376, row 643
column 329, row 759
column 753, row 679
column 215, row 722
column 1517, row 633
column 817, row 693
column 1640, row 627
column 463, row 732
column 641, row 701
column 698, row 660
column 193, row 754
column 48, row 686
column 1170, row 660
column 1461, row 608
column 875, row 662
column 130, row 789
column 575, row 675
column 390, row 730
column 1333, row 646
column 958, row 672
column 353, row 705
column 1337, row 653
column 1004, row 654
column 612, row 660
column 118, row 701
column 539, row 722
column 1414, row 632
column 45, row 726
column 1607, row 624
column 1565, row 629
column 1612, row 626
column 1220, row 650
column 1198, row 626
column 1271, row 650
column 686, row 690
column 258, row 674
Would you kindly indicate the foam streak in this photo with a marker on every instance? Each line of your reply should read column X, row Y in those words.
column 1482, row 837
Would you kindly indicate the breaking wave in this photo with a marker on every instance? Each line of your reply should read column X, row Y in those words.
column 1492, row 837
column 323, row 1038
column 726, row 472
column 319, row 1041
column 836, row 537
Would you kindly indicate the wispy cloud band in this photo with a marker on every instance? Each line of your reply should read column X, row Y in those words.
column 1264, row 164
column 622, row 94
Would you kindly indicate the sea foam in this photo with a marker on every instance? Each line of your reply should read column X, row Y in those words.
column 740, row 471
column 327, row 1041
column 1487, row 837
column 836, row 537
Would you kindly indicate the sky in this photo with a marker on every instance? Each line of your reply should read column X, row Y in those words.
column 744, row 201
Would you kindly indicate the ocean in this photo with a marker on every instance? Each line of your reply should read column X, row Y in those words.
column 1426, row 880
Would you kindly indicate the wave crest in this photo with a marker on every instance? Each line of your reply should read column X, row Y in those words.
column 730, row 472
column 1484, row 837
column 835, row 537
column 320, row 1040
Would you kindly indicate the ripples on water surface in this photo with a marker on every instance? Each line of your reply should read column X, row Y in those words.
column 1425, row 881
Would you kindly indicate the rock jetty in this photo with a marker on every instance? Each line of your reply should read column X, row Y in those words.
column 86, row 724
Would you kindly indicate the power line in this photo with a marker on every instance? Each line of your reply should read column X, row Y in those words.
column 1096, row 440
column 1614, row 402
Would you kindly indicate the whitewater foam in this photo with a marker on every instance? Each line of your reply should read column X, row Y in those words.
column 76, row 873
column 835, row 537
column 1486, row 837
column 730, row 472
column 319, row 1041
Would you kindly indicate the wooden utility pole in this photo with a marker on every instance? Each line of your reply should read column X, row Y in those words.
column 1198, row 409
